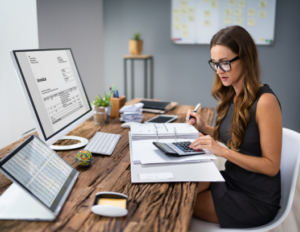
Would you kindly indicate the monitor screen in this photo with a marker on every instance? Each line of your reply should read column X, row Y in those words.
column 54, row 88
column 40, row 171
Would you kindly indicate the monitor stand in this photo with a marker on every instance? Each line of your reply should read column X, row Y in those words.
column 83, row 142
column 17, row 204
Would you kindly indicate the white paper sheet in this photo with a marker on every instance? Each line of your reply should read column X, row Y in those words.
column 156, row 176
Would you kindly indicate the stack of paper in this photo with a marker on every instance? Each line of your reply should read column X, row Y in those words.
column 132, row 113
column 163, row 131
column 144, row 152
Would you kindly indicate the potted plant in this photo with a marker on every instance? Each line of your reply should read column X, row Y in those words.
column 136, row 44
column 102, row 109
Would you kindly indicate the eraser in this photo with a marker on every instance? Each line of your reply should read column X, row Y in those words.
column 110, row 204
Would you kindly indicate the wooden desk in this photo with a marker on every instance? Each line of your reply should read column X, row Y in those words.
column 152, row 207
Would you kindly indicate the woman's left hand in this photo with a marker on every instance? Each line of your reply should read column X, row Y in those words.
column 207, row 142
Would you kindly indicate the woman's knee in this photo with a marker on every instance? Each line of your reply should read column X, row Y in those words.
column 202, row 186
column 204, row 207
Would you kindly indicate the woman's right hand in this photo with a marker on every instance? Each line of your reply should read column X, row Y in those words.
column 196, row 120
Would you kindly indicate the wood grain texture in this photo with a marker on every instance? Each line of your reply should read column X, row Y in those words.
column 142, row 57
column 152, row 207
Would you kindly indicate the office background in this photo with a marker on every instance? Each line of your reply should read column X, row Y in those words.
column 98, row 32
column 181, row 72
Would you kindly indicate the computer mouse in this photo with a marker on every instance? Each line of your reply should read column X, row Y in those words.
column 127, row 124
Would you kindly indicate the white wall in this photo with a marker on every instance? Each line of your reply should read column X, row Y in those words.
column 18, row 30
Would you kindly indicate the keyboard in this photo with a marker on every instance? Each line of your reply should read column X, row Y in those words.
column 178, row 149
column 103, row 143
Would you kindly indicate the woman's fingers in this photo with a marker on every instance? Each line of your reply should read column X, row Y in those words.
column 197, row 141
column 188, row 115
column 204, row 140
column 192, row 121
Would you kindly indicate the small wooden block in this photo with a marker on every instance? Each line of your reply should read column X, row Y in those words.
column 116, row 105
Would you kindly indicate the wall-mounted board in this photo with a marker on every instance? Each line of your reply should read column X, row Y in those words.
column 196, row 21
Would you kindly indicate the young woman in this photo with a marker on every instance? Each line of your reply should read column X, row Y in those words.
column 249, row 123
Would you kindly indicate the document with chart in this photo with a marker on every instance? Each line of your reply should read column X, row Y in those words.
column 55, row 87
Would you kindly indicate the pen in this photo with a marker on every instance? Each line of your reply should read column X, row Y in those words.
column 112, row 93
column 196, row 108
column 114, row 90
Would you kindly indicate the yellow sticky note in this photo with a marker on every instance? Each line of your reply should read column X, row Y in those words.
column 191, row 18
column 177, row 27
column 228, row 12
column 207, row 13
column 238, row 21
column 185, row 34
column 184, row 11
column 184, row 26
column 231, row 2
column 176, row 18
column 238, row 12
column 242, row 3
column 176, row 11
column 262, row 4
column 191, row 10
column 207, row 23
column 262, row 39
column 262, row 14
column 251, row 22
column 183, row 4
column 251, row 12
column 214, row 4
column 115, row 202
column 227, row 20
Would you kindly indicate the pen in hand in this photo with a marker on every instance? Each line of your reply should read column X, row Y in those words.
column 196, row 108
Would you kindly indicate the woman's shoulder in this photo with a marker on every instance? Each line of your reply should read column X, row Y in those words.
column 267, row 102
column 265, row 91
column 265, row 88
column 266, row 99
column 266, row 94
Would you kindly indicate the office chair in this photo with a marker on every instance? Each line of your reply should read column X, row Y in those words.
column 290, row 157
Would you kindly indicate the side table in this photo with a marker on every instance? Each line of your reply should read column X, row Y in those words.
column 145, row 58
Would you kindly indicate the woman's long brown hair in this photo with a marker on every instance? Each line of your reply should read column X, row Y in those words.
column 239, row 41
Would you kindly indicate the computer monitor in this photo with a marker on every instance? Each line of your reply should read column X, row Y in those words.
column 54, row 91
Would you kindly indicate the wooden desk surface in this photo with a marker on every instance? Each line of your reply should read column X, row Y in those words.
column 152, row 207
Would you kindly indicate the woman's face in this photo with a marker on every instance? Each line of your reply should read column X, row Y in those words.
column 235, row 76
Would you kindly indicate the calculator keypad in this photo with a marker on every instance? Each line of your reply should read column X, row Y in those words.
column 184, row 146
column 178, row 148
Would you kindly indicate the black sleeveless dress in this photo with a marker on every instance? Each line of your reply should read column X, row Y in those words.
column 246, row 199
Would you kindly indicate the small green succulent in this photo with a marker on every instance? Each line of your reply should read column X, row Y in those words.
column 137, row 36
column 105, row 101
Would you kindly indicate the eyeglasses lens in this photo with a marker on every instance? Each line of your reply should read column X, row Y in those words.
column 213, row 66
column 225, row 66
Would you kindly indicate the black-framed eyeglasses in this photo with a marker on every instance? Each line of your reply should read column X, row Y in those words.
column 224, row 65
